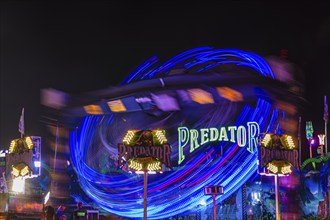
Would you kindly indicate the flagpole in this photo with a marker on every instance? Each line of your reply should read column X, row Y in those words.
column 326, row 138
column 326, row 118
column 21, row 128
column 299, row 140
column 56, row 145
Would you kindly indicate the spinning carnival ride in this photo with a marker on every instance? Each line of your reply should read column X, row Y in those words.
column 199, row 88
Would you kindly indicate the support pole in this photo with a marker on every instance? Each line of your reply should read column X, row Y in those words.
column 214, row 191
column 277, row 198
column 299, row 140
column 326, row 138
column 56, row 146
column 145, row 181
column 214, row 207
column 326, row 119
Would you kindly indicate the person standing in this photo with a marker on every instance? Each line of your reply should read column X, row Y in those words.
column 79, row 213
column 59, row 215
column 49, row 212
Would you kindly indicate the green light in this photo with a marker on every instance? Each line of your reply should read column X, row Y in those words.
column 309, row 130
column 81, row 214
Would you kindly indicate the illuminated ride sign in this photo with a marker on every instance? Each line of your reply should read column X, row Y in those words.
column 278, row 154
column 144, row 150
column 24, row 156
column 243, row 136
column 19, row 159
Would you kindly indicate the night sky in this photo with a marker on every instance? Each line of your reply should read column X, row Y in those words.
column 81, row 47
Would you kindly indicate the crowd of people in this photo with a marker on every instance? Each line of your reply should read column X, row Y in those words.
column 79, row 213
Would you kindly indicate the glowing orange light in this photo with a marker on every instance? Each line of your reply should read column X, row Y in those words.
column 230, row 94
column 93, row 109
column 201, row 96
column 117, row 106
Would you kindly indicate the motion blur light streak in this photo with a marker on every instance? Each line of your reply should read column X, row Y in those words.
column 181, row 190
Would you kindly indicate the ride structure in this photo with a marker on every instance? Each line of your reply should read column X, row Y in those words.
column 212, row 103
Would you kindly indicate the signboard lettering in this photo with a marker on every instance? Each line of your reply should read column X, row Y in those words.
column 244, row 136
